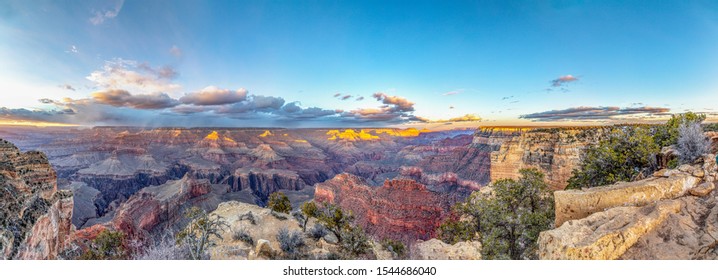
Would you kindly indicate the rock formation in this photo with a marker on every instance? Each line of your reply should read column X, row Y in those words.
column 673, row 215
column 554, row 151
column 35, row 217
column 400, row 209
column 435, row 249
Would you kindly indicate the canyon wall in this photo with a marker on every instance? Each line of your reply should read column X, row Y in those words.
column 35, row 217
column 400, row 209
column 554, row 151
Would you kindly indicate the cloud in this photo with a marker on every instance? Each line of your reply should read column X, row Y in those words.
column 595, row 113
column 122, row 98
column 73, row 49
column 100, row 16
column 399, row 104
column 561, row 81
column 451, row 107
column 337, row 94
column 135, row 77
column 346, row 97
column 176, row 51
column 213, row 95
column 253, row 104
column 464, row 118
column 507, row 97
column 67, row 87
column 360, row 98
column 453, row 92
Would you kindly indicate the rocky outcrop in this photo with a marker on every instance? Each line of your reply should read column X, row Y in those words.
column 435, row 249
column 577, row 204
column 400, row 209
column 673, row 215
column 151, row 206
column 604, row 235
column 35, row 217
column 263, row 182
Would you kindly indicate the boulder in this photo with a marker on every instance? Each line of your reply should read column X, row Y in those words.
column 435, row 249
column 605, row 235
column 263, row 249
column 577, row 204
column 703, row 189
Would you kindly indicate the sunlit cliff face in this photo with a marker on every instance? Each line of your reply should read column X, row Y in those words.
column 366, row 134
column 266, row 133
column 214, row 136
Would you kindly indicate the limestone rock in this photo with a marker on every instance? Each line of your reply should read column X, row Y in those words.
column 605, row 235
column 703, row 189
column 263, row 249
column 577, row 204
column 435, row 249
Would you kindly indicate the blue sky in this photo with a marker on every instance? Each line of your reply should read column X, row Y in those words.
column 414, row 62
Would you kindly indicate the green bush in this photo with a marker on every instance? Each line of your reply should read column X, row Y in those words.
column 279, row 202
column 395, row 247
column 667, row 134
column 628, row 153
column 108, row 245
column 508, row 219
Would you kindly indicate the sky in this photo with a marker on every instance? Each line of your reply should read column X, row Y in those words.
column 433, row 64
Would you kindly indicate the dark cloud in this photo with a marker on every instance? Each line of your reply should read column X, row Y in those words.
column 214, row 96
column 122, row 98
column 67, row 87
column 337, row 94
column 594, row 113
column 254, row 103
column 560, row 81
column 507, row 97
column 360, row 98
column 46, row 101
column 396, row 103
column 346, row 97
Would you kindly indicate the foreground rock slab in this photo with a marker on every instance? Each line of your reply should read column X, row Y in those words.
column 605, row 235
column 435, row 249
column 577, row 204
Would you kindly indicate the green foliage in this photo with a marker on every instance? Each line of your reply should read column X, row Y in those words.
column 710, row 127
column 452, row 231
column 108, row 245
column 352, row 239
column 628, row 153
column 309, row 210
column 335, row 220
column 510, row 218
column 667, row 134
column 395, row 247
column 673, row 163
column 279, row 202
column 354, row 242
column 198, row 234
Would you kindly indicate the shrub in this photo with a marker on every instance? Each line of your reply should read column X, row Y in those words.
column 692, row 143
column 291, row 243
column 166, row 248
column 279, row 202
column 197, row 235
column 354, row 242
column 452, row 231
column 241, row 234
column 509, row 219
column 673, row 163
column 317, row 231
column 667, row 134
column 309, row 210
column 711, row 127
column 628, row 153
column 395, row 247
column 249, row 216
column 108, row 245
